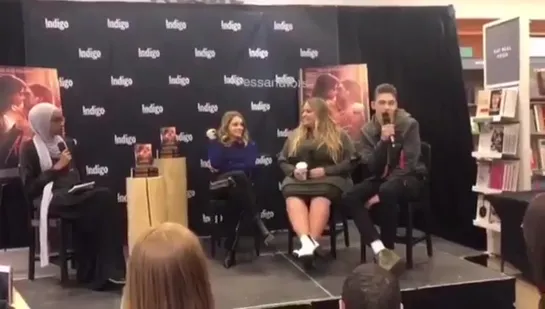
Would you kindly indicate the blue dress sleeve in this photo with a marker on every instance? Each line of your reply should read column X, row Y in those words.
column 215, row 154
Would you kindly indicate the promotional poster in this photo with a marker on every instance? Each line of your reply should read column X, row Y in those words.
column 20, row 89
column 346, row 91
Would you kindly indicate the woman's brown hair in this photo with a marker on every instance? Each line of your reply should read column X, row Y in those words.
column 223, row 130
column 167, row 269
column 325, row 131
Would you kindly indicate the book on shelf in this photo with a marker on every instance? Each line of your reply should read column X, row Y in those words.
column 537, row 117
column 537, row 83
column 497, row 103
column 498, row 139
column 498, row 175
column 538, row 155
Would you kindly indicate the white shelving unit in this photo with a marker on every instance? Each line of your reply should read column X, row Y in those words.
column 505, row 52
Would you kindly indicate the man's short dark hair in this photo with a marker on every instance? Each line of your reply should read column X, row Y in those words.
column 386, row 88
column 371, row 287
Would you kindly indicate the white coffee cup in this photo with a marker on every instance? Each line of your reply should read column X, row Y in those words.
column 302, row 166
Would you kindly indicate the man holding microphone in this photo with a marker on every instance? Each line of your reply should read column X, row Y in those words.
column 390, row 149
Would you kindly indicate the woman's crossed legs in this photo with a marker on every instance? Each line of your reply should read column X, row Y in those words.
column 308, row 218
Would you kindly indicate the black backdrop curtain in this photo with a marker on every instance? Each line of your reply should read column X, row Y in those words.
column 416, row 49
column 13, row 216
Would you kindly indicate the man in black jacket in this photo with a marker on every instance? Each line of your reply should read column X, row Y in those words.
column 390, row 148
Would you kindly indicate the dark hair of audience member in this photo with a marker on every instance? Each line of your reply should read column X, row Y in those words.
column 324, row 84
column 386, row 88
column 371, row 287
column 168, row 269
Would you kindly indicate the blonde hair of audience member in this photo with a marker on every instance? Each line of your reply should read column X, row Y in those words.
column 167, row 270
column 227, row 120
column 324, row 130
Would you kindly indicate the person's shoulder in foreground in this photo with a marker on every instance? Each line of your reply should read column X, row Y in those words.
column 371, row 287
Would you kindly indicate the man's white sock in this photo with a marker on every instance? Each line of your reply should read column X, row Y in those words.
column 377, row 246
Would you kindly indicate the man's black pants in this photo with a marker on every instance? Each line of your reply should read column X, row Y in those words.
column 386, row 213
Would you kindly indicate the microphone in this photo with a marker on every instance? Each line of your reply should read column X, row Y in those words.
column 386, row 120
column 62, row 146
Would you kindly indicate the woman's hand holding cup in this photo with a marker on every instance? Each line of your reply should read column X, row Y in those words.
column 301, row 171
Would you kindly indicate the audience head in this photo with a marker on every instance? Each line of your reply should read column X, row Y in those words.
column 325, row 87
column 46, row 120
column 167, row 269
column 233, row 128
column 370, row 287
column 41, row 94
column 385, row 101
column 12, row 92
column 316, row 123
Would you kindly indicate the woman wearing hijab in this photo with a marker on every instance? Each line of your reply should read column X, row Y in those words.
column 48, row 171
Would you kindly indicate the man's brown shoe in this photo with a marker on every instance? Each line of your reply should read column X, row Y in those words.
column 390, row 261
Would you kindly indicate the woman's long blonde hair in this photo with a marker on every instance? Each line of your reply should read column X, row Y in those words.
column 223, row 130
column 167, row 269
column 325, row 132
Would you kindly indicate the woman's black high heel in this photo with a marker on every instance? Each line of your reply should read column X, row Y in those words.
column 265, row 233
column 230, row 255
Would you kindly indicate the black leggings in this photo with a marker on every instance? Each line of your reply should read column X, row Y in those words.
column 239, row 196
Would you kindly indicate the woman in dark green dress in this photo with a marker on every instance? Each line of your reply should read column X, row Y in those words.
column 328, row 153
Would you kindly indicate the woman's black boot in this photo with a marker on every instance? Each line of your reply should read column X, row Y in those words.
column 230, row 255
column 267, row 236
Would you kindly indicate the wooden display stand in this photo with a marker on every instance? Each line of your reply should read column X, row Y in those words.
column 146, row 205
column 173, row 171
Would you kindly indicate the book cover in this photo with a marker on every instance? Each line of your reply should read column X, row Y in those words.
column 483, row 103
column 495, row 107
column 168, row 136
column 143, row 155
column 537, row 83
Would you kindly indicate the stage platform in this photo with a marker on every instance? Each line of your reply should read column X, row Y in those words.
column 275, row 279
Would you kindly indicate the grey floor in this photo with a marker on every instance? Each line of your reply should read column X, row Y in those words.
column 274, row 278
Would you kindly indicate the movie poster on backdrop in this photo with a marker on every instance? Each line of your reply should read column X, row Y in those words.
column 20, row 89
column 345, row 89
